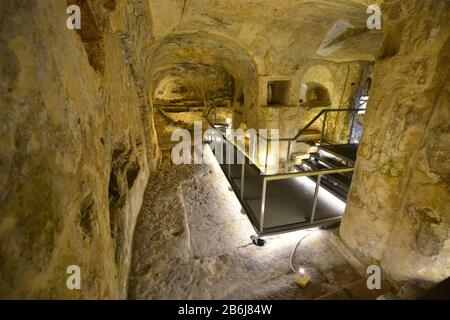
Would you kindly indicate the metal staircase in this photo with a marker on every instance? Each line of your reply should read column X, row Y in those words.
column 331, row 157
column 296, row 195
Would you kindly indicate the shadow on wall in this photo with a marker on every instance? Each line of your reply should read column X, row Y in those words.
column 128, row 178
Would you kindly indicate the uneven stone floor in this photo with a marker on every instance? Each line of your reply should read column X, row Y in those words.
column 192, row 242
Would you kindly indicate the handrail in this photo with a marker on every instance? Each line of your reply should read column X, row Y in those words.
column 209, row 110
column 299, row 133
column 286, row 175
column 302, row 130
column 309, row 124
column 281, row 176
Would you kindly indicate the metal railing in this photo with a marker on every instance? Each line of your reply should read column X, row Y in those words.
column 241, row 192
column 266, row 178
column 302, row 132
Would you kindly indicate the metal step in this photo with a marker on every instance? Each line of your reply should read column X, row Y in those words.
column 345, row 152
column 343, row 179
column 330, row 183
column 331, row 162
column 339, row 183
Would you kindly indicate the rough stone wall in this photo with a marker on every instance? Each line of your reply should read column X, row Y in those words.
column 398, row 211
column 74, row 153
column 273, row 32
column 214, row 82
column 176, row 90
column 340, row 79
column 277, row 38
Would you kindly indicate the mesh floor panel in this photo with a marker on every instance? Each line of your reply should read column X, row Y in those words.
column 288, row 202
column 278, row 213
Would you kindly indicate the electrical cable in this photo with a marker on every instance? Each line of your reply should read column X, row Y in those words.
column 295, row 270
column 295, row 249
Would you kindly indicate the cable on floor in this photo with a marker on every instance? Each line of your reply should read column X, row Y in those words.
column 291, row 261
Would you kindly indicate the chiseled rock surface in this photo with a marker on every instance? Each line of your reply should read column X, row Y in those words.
column 195, row 244
column 73, row 156
column 398, row 213
column 78, row 143
column 260, row 41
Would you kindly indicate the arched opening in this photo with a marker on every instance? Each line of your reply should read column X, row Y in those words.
column 313, row 94
column 357, row 119
column 219, row 66
column 176, row 94
column 363, row 94
column 197, row 75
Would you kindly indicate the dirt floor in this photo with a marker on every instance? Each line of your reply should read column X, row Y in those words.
column 192, row 242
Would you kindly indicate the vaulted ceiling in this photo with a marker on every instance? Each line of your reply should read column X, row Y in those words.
column 276, row 35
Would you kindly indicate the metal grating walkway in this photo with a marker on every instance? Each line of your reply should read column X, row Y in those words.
column 295, row 196
column 288, row 204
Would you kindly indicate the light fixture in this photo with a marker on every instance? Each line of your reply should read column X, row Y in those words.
column 301, row 278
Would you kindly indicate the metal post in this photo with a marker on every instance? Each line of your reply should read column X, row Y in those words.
column 287, row 155
column 254, row 160
column 323, row 128
column 242, row 180
column 267, row 156
column 316, row 193
column 263, row 206
column 228, row 158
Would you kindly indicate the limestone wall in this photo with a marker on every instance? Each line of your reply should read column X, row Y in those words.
column 339, row 79
column 76, row 145
column 213, row 82
column 398, row 213
column 268, row 39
